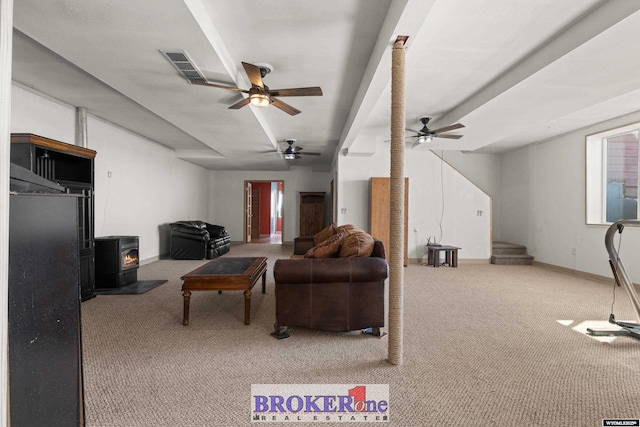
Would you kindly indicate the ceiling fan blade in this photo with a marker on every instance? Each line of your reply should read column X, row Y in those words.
column 285, row 107
column 414, row 131
column 307, row 153
column 299, row 91
column 220, row 86
column 448, row 128
column 450, row 136
column 240, row 104
column 254, row 74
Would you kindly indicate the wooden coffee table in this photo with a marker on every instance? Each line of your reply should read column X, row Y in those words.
column 225, row 274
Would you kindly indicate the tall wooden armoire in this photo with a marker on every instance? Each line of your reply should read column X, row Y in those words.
column 72, row 167
column 312, row 208
column 379, row 212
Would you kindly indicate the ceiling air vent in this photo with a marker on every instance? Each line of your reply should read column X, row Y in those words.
column 185, row 66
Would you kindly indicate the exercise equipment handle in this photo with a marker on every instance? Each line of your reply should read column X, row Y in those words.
column 619, row 272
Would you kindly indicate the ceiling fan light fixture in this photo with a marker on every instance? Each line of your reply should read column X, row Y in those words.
column 289, row 156
column 259, row 100
column 424, row 138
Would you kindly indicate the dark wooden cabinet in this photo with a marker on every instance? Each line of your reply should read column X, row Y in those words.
column 72, row 167
column 45, row 354
column 312, row 208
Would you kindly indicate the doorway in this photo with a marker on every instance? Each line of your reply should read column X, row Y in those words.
column 264, row 214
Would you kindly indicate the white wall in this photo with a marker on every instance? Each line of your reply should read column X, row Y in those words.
column 433, row 184
column 543, row 205
column 148, row 187
column 41, row 115
column 484, row 170
column 226, row 203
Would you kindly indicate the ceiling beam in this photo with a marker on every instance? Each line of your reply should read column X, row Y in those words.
column 583, row 29
column 405, row 17
column 231, row 64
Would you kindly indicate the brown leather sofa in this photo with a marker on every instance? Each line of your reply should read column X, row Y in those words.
column 331, row 294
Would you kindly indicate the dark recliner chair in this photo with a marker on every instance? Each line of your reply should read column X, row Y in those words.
column 330, row 294
column 197, row 240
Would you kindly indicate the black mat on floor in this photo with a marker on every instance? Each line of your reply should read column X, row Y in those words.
column 139, row 287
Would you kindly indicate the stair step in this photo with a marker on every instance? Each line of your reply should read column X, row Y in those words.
column 504, row 253
column 502, row 248
column 512, row 259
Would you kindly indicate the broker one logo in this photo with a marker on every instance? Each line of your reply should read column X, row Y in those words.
column 320, row 402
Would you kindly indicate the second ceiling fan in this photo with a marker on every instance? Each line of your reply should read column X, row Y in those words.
column 292, row 153
column 260, row 95
column 426, row 135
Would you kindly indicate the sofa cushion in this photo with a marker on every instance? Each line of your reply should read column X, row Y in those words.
column 356, row 243
column 324, row 234
column 346, row 227
column 328, row 248
column 216, row 230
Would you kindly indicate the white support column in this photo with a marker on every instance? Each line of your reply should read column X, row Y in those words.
column 82, row 139
column 6, row 41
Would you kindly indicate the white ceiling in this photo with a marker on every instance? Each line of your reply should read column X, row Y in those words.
column 512, row 71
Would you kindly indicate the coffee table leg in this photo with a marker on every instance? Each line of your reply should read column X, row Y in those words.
column 187, row 298
column 264, row 281
column 247, row 306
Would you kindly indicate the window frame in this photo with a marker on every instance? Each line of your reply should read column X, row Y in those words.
column 596, row 172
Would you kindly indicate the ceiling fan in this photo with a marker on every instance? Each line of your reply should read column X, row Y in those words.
column 260, row 95
column 291, row 152
column 426, row 135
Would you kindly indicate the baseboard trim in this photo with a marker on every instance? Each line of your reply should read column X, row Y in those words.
column 152, row 259
column 474, row 261
column 572, row 272
column 423, row 261
column 582, row 274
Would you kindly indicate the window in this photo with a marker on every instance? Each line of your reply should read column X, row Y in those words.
column 612, row 175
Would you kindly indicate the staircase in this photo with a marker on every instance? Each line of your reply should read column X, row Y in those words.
column 510, row 254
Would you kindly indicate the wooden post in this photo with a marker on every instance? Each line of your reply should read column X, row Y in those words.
column 396, row 226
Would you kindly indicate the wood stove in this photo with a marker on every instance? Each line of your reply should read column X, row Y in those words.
column 117, row 261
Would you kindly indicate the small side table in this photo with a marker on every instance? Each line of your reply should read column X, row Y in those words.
column 450, row 254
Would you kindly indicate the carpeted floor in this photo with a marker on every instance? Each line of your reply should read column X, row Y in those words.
column 484, row 345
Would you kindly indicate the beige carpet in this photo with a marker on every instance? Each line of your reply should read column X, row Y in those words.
column 483, row 347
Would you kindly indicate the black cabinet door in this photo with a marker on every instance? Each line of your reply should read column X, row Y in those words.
column 45, row 358
column 86, row 243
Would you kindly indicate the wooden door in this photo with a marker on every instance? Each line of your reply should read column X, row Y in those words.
column 248, row 211
column 379, row 212
column 311, row 213
column 255, row 212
